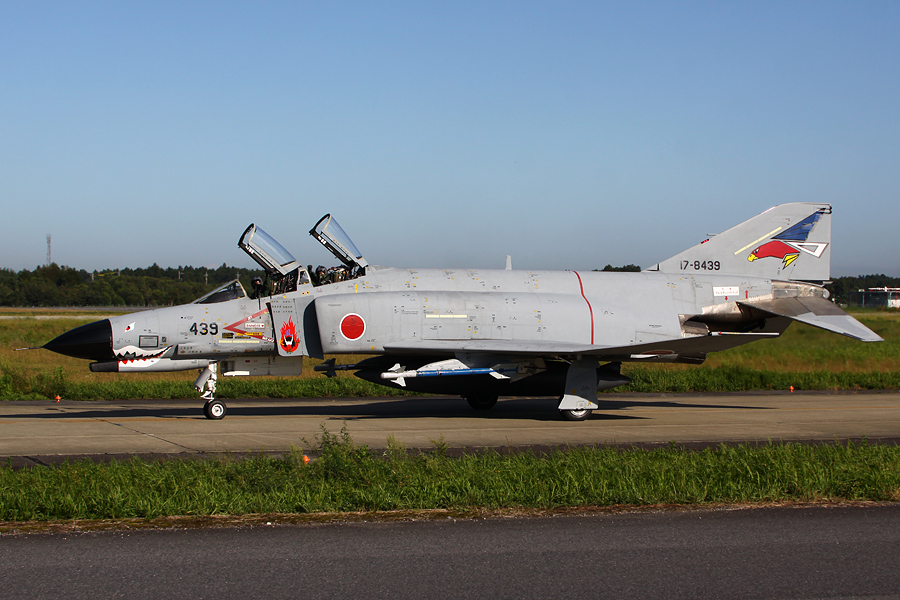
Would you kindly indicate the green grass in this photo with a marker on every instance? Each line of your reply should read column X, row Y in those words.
column 805, row 348
column 737, row 379
column 18, row 384
column 347, row 477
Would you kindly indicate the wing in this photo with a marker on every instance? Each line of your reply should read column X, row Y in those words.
column 697, row 346
column 817, row 312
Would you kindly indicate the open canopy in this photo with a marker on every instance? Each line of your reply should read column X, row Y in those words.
column 278, row 262
column 267, row 252
column 332, row 236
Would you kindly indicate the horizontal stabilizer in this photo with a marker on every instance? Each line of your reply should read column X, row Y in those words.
column 817, row 312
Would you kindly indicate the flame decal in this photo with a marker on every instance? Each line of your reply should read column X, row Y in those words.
column 289, row 341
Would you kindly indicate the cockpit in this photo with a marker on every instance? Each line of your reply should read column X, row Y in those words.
column 229, row 291
column 285, row 274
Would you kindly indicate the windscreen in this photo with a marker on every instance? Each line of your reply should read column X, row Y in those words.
column 230, row 291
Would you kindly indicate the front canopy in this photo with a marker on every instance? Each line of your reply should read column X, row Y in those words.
column 267, row 252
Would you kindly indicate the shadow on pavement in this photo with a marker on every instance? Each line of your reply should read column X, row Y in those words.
column 534, row 409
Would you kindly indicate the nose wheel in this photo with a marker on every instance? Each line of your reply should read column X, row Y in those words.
column 214, row 409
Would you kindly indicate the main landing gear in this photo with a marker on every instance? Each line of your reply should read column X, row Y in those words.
column 481, row 400
column 579, row 400
column 213, row 409
column 576, row 415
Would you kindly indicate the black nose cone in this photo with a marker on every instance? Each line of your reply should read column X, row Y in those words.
column 92, row 341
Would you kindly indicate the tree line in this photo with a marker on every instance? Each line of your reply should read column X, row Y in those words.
column 841, row 287
column 55, row 285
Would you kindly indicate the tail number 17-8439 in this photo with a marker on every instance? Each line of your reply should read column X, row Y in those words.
column 700, row 265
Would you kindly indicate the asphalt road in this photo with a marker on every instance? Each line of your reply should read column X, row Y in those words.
column 846, row 552
column 38, row 432
column 761, row 553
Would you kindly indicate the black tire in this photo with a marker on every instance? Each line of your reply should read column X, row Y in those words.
column 214, row 410
column 481, row 401
column 576, row 415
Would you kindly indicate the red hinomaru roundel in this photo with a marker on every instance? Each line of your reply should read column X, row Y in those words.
column 353, row 326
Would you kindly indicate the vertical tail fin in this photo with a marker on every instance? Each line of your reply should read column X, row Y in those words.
column 787, row 242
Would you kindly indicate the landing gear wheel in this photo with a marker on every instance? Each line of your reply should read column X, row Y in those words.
column 481, row 401
column 214, row 409
column 576, row 415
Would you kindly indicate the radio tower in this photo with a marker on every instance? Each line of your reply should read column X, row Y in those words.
column 49, row 255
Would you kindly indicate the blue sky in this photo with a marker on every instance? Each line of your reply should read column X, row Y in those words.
column 568, row 134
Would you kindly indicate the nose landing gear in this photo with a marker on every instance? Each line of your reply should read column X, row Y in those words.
column 213, row 409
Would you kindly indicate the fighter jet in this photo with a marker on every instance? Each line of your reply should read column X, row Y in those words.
column 481, row 333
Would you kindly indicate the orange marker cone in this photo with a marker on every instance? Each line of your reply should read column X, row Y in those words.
column 57, row 397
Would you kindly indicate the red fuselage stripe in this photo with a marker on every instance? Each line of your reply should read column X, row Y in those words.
column 588, row 302
column 234, row 326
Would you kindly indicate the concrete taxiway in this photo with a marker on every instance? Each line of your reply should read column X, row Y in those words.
column 39, row 431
